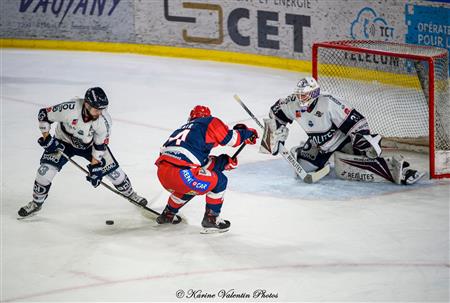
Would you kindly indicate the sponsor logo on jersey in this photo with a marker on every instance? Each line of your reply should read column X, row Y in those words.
column 318, row 114
column 51, row 157
column 310, row 123
column 63, row 106
column 321, row 138
column 74, row 122
column 107, row 168
column 334, row 99
column 192, row 182
column 347, row 110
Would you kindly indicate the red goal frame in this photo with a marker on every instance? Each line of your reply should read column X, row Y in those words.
column 346, row 45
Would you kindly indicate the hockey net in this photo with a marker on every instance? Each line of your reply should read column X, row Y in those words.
column 402, row 90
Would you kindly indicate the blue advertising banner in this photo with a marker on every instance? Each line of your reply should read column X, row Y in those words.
column 428, row 25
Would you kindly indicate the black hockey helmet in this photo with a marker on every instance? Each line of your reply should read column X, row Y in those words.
column 96, row 97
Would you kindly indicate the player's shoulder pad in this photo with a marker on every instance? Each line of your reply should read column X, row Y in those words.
column 103, row 122
column 64, row 107
column 216, row 123
column 332, row 99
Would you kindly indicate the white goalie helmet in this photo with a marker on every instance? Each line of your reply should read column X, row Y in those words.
column 307, row 90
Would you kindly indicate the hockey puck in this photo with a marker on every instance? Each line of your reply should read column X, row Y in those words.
column 109, row 222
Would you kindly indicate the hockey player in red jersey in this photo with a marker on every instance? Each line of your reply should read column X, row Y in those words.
column 186, row 168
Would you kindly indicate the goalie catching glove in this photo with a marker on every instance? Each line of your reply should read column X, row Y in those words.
column 273, row 137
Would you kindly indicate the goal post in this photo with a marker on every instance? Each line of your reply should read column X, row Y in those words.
column 402, row 90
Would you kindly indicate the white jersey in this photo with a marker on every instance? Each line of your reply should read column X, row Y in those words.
column 327, row 121
column 73, row 130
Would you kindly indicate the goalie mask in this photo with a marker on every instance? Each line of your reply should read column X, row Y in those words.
column 199, row 111
column 307, row 91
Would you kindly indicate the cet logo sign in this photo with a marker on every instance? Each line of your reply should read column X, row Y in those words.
column 368, row 26
column 266, row 22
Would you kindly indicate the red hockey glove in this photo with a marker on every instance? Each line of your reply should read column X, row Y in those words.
column 250, row 133
column 225, row 162
column 253, row 137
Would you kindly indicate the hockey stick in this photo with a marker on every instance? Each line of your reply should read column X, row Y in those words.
column 154, row 212
column 309, row 178
column 238, row 151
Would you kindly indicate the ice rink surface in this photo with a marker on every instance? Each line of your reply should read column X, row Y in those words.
column 331, row 241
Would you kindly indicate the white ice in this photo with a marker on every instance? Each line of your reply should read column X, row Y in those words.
column 331, row 241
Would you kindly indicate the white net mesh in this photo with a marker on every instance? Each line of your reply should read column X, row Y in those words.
column 391, row 89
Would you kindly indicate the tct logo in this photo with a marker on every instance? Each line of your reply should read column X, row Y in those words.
column 368, row 25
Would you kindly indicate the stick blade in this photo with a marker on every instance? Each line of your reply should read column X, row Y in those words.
column 318, row 175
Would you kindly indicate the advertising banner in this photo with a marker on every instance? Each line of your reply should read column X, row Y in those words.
column 82, row 20
column 280, row 28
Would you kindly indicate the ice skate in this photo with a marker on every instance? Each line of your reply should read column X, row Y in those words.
column 411, row 176
column 134, row 197
column 168, row 216
column 212, row 223
column 29, row 210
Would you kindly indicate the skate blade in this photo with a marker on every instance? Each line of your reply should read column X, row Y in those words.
column 177, row 220
column 417, row 179
column 27, row 217
column 213, row 230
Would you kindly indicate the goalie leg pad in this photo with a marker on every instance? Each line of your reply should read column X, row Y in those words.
column 367, row 144
column 390, row 169
column 361, row 168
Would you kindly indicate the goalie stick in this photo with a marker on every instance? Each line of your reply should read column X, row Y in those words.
column 309, row 178
column 148, row 210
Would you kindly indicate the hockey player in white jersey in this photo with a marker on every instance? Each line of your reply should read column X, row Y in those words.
column 83, row 127
column 333, row 127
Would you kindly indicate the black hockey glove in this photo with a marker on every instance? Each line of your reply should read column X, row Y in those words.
column 225, row 162
column 95, row 173
column 50, row 144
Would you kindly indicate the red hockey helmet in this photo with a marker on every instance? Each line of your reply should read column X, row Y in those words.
column 199, row 111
